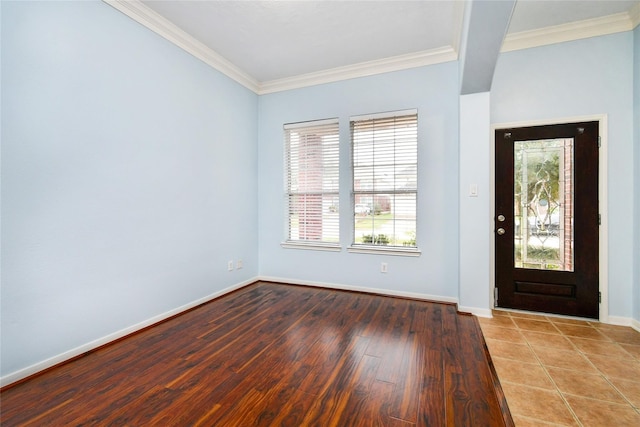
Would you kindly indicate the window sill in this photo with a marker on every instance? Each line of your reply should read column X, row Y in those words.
column 384, row 250
column 331, row 247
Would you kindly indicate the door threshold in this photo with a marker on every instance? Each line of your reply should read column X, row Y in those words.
column 539, row 313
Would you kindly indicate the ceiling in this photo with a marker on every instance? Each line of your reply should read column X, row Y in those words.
column 276, row 39
column 273, row 41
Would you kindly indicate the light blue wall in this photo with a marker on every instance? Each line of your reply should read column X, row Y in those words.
column 475, row 219
column 585, row 77
column 131, row 172
column 433, row 91
column 128, row 177
column 636, row 120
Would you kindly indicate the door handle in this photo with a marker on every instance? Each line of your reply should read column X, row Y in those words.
column 500, row 231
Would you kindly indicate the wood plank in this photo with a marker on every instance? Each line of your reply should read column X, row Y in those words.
column 356, row 399
column 376, row 410
column 432, row 399
column 467, row 375
column 389, row 343
column 406, row 398
column 273, row 354
column 328, row 408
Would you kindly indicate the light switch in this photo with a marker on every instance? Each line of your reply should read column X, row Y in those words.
column 473, row 190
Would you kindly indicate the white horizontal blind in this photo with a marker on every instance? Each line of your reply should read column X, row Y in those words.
column 312, row 181
column 385, row 167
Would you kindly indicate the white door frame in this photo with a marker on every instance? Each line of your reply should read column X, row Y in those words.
column 603, row 242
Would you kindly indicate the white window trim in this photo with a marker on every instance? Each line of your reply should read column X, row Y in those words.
column 330, row 247
column 301, row 125
column 388, row 115
column 382, row 250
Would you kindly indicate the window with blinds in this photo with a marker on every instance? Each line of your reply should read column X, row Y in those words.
column 385, row 167
column 312, row 172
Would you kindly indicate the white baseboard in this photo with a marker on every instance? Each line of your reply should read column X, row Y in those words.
column 623, row 321
column 618, row 320
column 48, row 363
column 70, row 354
column 342, row 287
column 480, row 312
column 610, row 320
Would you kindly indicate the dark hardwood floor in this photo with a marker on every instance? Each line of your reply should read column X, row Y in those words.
column 273, row 354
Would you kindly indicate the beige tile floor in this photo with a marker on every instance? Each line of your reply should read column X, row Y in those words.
column 565, row 372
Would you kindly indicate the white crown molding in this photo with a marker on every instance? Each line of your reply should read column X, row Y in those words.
column 362, row 69
column 611, row 24
column 144, row 15
column 458, row 28
column 634, row 14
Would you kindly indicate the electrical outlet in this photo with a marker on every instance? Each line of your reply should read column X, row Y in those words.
column 230, row 265
column 239, row 264
column 383, row 267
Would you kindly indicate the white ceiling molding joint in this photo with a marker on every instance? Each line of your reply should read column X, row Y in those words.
column 611, row 24
column 634, row 14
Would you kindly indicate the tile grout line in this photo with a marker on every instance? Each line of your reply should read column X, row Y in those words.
column 606, row 378
column 536, row 419
column 582, row 353
column 518, row 328
column 573, row 414
column 602, row 374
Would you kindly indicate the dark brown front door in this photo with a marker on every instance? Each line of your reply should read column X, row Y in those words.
column 546, row 224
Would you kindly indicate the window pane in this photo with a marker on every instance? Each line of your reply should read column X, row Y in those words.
column 363, row 178
column 313, row 217
column 385, row 180
column 543, row 204
column 406, row 177
column 385, row 219
column 312, row 181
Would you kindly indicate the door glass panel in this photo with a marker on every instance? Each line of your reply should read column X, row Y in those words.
column 543, row 204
